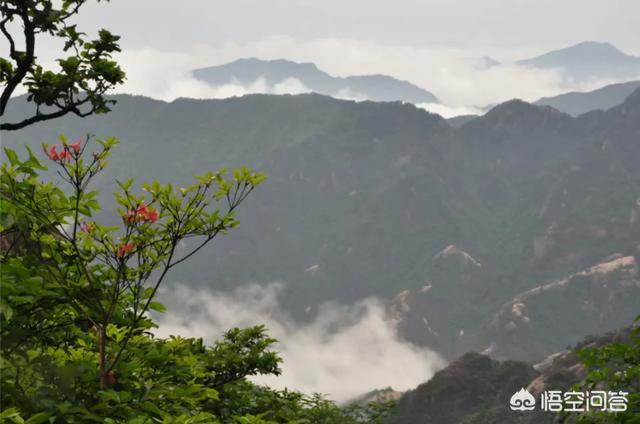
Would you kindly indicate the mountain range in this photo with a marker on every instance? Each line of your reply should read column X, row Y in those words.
column 588, row 60
column 515, row 233
column 577, row 103
column 273, row 72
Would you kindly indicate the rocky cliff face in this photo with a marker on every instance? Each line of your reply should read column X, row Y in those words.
column 531, row 324
column 538, row 321
column 475, row 389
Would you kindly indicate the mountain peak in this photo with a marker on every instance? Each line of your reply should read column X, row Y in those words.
column 254, row 61
column 246, row 71
column 592, row 46
column 587, row 50
column 517, row 107
column 587, row 61
column 516, row 119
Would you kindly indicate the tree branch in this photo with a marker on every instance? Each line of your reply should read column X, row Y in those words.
column 23, row 63
column 34, row 119
column 12, row 44
column 73, row 108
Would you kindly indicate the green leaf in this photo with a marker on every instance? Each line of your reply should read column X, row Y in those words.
column 157, row 306
column 11, row 413
column 12, row 156
column 152, row 408
column 6, row 310
column 125, row 185
column 38, row 418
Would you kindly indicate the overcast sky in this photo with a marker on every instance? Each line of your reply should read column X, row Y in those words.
column 432, row 43
column 487, row 26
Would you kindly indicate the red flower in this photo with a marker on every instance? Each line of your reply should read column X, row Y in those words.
column 123, row 249
column 86, row 227
column 76, row 147
column 61, row 156
column 152, row 216
column 64, row 155
column 141, row 214
column 129, row 217
column 141, row 210
column 53, row 155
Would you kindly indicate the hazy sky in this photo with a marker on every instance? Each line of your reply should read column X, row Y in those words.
column 435, row 44
column 491, row 26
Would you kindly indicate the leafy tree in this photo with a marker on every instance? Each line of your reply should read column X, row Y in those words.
column 69, row 282
column 613, row 367
column 107, row 273
column 76, row 340
column 85, row 74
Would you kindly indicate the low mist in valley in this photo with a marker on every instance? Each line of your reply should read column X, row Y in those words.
column 342, row 351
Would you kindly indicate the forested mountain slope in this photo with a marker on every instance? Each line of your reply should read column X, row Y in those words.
column 384, row 199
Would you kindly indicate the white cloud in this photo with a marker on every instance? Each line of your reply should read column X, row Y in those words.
column 449, row 111
column 345, row 351
column 348, row 94
column 498, row 27
column 290, row 86
column 458, row 77
column 451, row 74
column 167, row 76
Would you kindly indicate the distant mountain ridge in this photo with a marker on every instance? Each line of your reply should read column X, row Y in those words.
column 589, row 60
column 585, row 62
column 577, row 103
column 372, row 87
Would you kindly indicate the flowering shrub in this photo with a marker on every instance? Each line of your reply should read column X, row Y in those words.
column 76, row 294
column 74, row 320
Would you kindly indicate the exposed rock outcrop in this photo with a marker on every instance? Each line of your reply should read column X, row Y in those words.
column 600, row 299
column 451, row 256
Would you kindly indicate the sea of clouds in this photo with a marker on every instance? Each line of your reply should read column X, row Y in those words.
column 463, row 81
column 344, row 351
